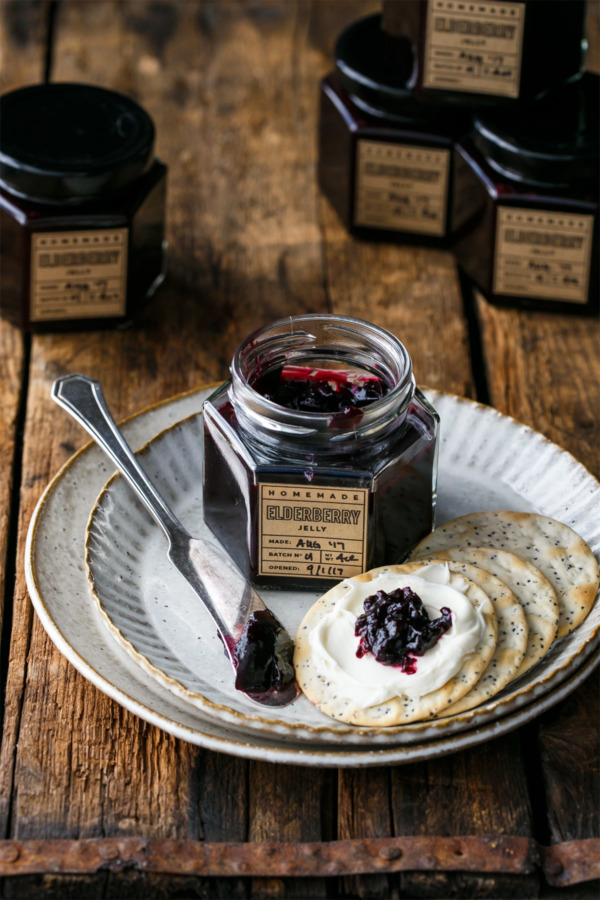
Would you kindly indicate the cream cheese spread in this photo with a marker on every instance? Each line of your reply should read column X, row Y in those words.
column 367, row 682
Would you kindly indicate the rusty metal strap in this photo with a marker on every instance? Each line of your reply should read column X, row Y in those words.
column 562, row 864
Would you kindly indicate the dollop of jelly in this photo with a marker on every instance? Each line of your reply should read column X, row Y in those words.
column 263, row 658
column 396, row 629
column 337, row 391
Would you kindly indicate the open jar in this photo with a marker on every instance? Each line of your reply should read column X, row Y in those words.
column 385, row 157
column 486, row 52
column 532, row 180
column 82, row 207
column 320, row 453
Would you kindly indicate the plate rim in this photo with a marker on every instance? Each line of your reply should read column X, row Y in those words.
column 428, row 748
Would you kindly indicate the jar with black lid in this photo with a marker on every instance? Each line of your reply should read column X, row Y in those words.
column 82, row 207
column 385, row 158
column 320, row 453
column 533, row 183
column 485, row 52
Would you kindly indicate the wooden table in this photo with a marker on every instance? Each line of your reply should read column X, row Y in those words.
column 232, row 87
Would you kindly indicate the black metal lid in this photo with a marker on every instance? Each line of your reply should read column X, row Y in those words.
column 64, row 142
column 553, row 141
column 378, row 85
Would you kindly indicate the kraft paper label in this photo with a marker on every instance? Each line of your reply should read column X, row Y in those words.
column 401, row 187
column 543, row 254
column 312, row 532
column 474, row 47
column 78, row 274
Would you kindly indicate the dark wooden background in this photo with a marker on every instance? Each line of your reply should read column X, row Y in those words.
column 232, row 87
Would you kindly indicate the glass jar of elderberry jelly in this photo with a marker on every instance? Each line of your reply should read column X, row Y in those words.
column 82, row 208
column 485, row 52
column 320, row 454
column 533, row 179
column 385, row 158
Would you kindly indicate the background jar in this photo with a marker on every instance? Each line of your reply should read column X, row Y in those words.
column 485, row 52
column 532, row 180
column 82, row 207
column 304, row 499
column 385, row 158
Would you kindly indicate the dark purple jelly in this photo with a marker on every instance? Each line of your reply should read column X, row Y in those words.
column 322, row 391
column 263, row 658
column 395, row 628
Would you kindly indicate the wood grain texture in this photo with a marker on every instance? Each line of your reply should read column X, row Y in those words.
column 233, row 90
column 12, row 371
column 245, row 248
column 24, row 28
column 544, row 369
column 23, row 32
column 592, row 58
column 364, row 812
column 480, row 791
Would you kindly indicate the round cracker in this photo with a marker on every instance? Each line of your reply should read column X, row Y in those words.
column 532, row 589
column 398, row 710
column 554, row 548
column 512, row 636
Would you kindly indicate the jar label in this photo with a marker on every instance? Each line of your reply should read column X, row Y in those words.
column 474, row 47
column 401, row 187
column 543, row 254
column 312, row 532
column 78, row 274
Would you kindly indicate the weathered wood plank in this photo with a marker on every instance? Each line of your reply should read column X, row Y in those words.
column 545, row 370
column 232, row 88
column 415, row 293
column 24, row 28
column 12, row 373
column 592, row 57
column 364, row 812
column 23, row 32
column 479, row 791
column 244, row 249
column 285, row 805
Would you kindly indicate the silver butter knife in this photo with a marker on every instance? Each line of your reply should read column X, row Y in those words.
column 258, row 646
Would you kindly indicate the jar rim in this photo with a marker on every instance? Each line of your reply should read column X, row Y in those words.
column 272, row 416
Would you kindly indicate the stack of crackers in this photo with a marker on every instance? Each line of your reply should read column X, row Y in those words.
column 533, row 579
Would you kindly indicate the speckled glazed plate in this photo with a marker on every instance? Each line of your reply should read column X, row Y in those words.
column 156, row 617
column 56, row 575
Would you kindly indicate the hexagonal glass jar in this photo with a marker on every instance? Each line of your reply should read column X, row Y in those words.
column 82, row 208
column 533, row 183
column 301, row 499
column 385, row 157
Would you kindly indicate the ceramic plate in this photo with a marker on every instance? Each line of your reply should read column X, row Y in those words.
column 56, row 577
column 157, row 618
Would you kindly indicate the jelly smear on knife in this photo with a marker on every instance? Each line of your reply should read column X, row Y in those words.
column 263, row 659
column 396, row 629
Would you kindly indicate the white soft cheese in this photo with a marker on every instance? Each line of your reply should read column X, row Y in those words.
column 367, row 682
